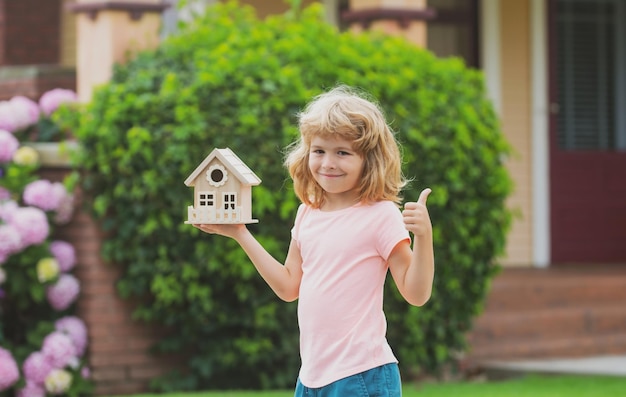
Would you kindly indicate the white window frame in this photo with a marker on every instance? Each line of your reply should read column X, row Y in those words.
column 208, row 201
column 229, row 198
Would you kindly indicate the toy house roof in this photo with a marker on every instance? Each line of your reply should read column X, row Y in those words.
column 232, row 162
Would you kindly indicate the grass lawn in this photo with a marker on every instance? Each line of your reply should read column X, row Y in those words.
column 529, row 386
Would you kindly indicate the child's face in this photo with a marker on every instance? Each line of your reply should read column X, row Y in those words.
column 336, row 167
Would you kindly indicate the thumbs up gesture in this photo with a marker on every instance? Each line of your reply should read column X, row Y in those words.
column 415, row 215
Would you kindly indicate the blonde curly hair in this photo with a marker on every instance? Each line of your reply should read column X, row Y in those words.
column 343, row 112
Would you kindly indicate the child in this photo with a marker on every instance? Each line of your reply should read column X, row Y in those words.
column 347, row 233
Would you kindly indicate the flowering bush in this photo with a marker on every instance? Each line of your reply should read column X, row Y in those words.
column 42, row 344
column 31, row 121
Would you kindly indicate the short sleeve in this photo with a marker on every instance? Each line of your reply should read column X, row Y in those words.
column 391, row 230
column 295, row 230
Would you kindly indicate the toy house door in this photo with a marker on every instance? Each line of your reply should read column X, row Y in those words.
column 231, row 211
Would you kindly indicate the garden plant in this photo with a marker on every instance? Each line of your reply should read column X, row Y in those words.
column 229, row 79
column 42, row 341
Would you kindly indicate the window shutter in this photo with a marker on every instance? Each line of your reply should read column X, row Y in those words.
column 588, row 51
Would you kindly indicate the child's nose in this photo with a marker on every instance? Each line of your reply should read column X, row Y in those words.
column 328, row 162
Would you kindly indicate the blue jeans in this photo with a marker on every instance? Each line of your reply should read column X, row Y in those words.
column 383, row 381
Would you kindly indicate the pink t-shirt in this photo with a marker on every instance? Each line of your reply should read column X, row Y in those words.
column 340, row 307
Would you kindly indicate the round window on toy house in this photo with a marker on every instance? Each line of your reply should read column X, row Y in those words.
column 217, row 175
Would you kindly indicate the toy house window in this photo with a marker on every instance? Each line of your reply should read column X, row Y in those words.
column 206, row 199
column 217, row 175
column 229, row 201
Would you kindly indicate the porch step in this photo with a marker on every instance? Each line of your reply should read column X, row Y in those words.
column 549, row 323
column 564, row 311
column 543, row 348
column 545, row 290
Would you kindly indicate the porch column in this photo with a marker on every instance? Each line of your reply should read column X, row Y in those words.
column 406, row 18
column 109, row 32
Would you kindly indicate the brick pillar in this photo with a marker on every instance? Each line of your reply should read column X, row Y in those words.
column 29, row 32
column 118, row 350
column 406, row 18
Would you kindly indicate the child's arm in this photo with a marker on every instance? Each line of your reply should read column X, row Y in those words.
column 414, row 271
column 284, row 280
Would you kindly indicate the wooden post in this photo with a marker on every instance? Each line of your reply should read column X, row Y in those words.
column 109, row 32
column 406, row 18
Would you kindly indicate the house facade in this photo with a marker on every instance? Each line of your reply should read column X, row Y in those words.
column 554, row 70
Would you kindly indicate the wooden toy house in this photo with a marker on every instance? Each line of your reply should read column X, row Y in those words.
column 222, row 190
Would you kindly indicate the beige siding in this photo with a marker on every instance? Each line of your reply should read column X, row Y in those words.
column 68, row 35
column 516, row 97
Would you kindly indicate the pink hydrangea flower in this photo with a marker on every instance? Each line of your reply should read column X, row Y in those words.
column 76, row 329
column 32, row 390
column 58, row 349
column 51, row 100
column 64, row 253
column 27, row 109
column 31, row 107
column 44, row 194
column 4, row 194
column 65, row 210
column 36, row 367
column 32, row 224
column 85, row 372
column 9, row 373
column 7, row 210
column 59, row 192
column 64, row 292
column 8, row 145
column 7, row 117
column 10, row 240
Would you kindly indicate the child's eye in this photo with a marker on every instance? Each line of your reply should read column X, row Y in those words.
column 342, row 153
column 317, row 151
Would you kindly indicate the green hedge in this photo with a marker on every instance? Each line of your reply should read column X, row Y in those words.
column 231, row 80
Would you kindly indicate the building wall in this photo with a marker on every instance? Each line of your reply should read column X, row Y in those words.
column 20, row 44
column 30, row 49
column 516, row 123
